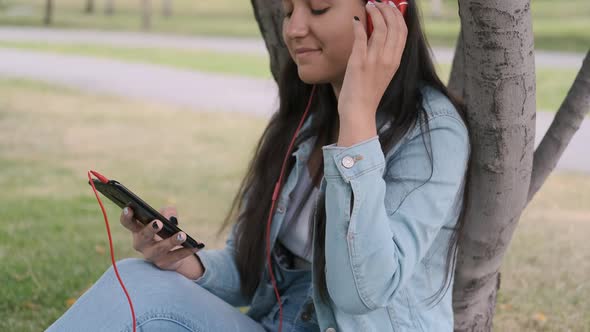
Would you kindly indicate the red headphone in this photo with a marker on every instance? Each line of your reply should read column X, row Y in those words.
column 400, row 4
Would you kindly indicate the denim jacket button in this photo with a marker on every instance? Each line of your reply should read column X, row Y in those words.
column 347, row 161
column 281, row 209
column 330, row 329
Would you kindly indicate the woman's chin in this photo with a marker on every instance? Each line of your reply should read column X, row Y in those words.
column 311, row 76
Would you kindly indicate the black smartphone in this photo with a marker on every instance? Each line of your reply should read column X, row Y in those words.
column 142, row 211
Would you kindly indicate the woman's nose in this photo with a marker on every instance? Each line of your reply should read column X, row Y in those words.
column 297, row 26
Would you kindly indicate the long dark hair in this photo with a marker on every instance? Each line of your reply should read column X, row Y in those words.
column 402, row 104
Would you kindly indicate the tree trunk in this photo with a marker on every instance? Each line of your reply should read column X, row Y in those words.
column 89, row 9
column 499, row 92
column 146, row 15
column 457, row 77
column 166, row 8
column 567, row 121
column 494, row 72
column 109, row 8
column 48, row 12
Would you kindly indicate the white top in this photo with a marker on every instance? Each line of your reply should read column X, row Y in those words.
column 294, row 234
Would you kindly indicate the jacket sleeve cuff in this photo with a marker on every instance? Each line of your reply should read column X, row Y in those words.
column 351, row 162
column 207, row 258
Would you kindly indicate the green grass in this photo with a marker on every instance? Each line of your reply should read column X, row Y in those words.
column 563, row 27
column 552, row 84
column 52, row 239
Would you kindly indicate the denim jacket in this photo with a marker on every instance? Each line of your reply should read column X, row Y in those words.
column 388, row 222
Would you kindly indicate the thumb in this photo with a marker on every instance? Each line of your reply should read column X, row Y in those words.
column 359, row 47
column 169, row 211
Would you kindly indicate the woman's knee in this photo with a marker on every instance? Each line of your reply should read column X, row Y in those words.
column 138, row 276
column 150, row 283
column 132, row 268
column 167, row 298
column 132, row 264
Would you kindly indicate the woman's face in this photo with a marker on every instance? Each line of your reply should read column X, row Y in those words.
column 326, row 26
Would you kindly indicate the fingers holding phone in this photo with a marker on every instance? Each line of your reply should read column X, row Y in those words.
column 129, row 222
column 147, row 236
column 167, row 254
column 170, row 213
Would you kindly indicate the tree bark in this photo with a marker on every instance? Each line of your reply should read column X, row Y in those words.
column 567, row 121
column 89, row 8
column 499, row 92
column 146, row 14
column 109, row 8
column 457, row 77
column 48, row 12
column 166, row 8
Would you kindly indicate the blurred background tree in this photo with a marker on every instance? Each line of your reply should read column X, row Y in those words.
column 109, row 8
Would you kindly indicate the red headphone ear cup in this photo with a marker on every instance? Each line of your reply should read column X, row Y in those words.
column 402, row 6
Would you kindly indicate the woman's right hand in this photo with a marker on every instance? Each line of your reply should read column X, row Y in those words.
column 166, row 254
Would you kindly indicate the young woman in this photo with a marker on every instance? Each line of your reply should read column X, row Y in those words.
column 366, row 225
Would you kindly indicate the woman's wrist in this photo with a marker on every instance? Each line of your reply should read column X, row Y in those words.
column 191, row 267
column 353, row 130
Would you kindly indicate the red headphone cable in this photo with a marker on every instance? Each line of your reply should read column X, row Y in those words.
column 103, row 179
column 275, row 195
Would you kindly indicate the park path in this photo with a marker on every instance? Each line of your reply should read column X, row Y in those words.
column 197, row 90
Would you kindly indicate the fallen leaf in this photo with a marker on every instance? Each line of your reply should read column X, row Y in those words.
column 31, row 305
column 18, row 277
column 540, row 317
column 70, row 301
column 99, row 249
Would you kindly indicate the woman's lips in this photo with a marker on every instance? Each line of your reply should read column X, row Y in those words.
column 306, row 53
column 305, row 49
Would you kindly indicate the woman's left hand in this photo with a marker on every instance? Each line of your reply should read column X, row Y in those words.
column 371, row 67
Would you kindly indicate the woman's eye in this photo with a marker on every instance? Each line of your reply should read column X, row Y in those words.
column 315, row 12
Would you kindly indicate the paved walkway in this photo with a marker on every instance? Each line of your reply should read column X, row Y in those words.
column 197, row 90
column 230, row 45
column 144, row 81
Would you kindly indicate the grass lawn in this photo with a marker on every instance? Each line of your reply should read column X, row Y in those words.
column 562, row 28
column 53, row 244
column 552, row 84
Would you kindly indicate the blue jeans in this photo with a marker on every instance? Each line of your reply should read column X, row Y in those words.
column 167, row 301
